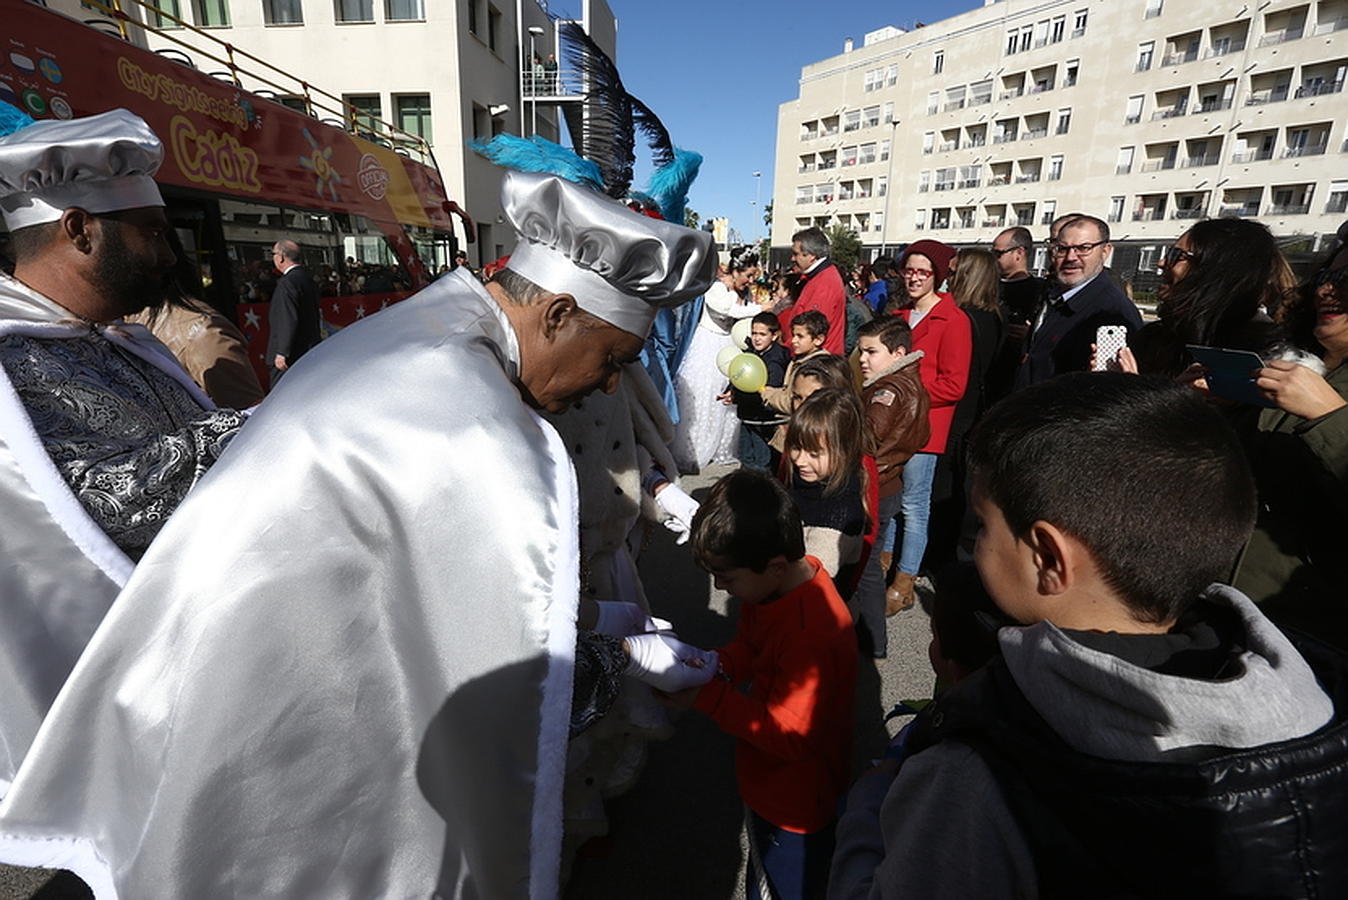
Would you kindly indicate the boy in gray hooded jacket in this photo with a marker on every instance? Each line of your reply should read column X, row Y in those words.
column 1145, row 731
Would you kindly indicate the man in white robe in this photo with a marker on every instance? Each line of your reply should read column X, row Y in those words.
column 344, row 668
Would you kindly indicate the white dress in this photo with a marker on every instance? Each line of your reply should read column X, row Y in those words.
column 708, row 430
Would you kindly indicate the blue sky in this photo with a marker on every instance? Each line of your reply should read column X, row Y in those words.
column 715, row 73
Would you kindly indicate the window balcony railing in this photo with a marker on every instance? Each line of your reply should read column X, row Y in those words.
column 1123, row 170
column 1004, row 138
column 941, row 226
column 1179, row 59
column 970, row 183
column 1282, row 37
column 953, row 105
column 1249, row 156
column 1029, row 178
column 1173, row 113
column 825, row 166
column 1319, row 90
column 999, row 180
column 975, row 142
column 1331, row 26
column 1032, row 133
column 1289, row 209
column 1132, row 119
column 993, row 222
column 1225, row 49
column 1158, row 165
column 1305, row 150
column 1337, row 204
column 947, row 146
column 1269, row 95
column 1197, row 162
column 807, row 167
column 1148, row 215
column 980, row 99
column 945, row 185
column 1193, row 212
column 965, row 223
column 1211, row 106
column 1011, row 94
column 1244, row 211
column 1042, row 87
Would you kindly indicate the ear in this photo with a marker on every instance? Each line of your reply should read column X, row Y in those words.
column 78, row 228
column 1055, row 558
column 776, row 566
column 558, row 311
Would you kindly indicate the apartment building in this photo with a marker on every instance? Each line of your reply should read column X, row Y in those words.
column 1149, row 113
column 445, row 70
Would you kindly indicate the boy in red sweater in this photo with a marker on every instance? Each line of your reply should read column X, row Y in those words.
column 795, row 647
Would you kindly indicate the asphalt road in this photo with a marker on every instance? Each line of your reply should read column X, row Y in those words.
column 678, row 832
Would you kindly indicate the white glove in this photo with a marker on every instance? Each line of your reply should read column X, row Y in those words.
column 618, row 618
column 667, row 663
column 679, row 509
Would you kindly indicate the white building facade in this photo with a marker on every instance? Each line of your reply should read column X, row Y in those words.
column 1147, row 113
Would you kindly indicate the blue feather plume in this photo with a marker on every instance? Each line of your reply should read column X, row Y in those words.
column 12, row 119
column 538, row 154
column 669, row 184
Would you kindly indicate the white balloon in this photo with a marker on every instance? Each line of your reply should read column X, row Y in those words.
column 739, row 333
column 723, row 358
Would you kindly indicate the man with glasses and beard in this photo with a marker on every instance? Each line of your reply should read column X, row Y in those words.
column 1081, row 300
column 102, row 433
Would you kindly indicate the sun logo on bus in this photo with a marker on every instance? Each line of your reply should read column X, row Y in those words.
column 320, row 163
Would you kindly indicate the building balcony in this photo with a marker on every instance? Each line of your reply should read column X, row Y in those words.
column 975, row 142
column 808, row 167
column 1195, row 212
column 825, row 166
column 970, row 183
column 1173, row 113
column 953, row 105
column 1249, row 156
column 980, row 100
column 1197, row 162
column 1032, row 133
column 1225, row 49
column 947, row 146
column 1179, row 59
column 1148, row 215
column 1011, row 94
column 1133, row 119
column 1319, row 90
column 1308, row 150
column 1272, row 95
column 945, row 185
column 999, row 180
column 1041, row 88
column 1281, row 37
column 1158, row 165
column 1003, row 138
column 1212, row 106
column 1332, row 26
column 1291, row 209
column 1030, row 178
column 993, row 222
column 1244, row 211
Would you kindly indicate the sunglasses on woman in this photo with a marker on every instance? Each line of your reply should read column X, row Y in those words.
column 1173, row 254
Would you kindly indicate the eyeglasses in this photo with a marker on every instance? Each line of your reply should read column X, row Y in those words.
column 1335, row 277
column 916, row 273
column 1079, row 249
column 998, row 253
column 1173, row 254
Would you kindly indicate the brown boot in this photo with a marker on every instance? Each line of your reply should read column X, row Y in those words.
column 900, row 595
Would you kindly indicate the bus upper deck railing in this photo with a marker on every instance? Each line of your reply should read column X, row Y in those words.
column 289, row 91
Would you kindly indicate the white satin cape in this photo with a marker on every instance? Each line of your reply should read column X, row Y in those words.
column 344, row 667
column 60, row 571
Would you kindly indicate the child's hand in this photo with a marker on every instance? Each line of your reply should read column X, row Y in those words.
column 727, row 398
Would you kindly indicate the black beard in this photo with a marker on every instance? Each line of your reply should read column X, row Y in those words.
column 126, row 283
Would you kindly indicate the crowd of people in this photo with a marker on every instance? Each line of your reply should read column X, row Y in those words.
column 383, row 632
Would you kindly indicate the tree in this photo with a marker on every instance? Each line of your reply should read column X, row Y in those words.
column 844, row 245
column 767, row 216
column 690, row 217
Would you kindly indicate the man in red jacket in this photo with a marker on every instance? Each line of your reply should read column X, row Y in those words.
column 823, row 289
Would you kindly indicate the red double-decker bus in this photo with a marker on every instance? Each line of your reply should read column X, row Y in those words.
column 243, row 169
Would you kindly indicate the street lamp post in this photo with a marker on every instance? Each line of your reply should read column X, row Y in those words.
column 535, row 31
column 758, row 184
column 889, row 187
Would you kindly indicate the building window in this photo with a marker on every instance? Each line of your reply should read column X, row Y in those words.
column 1125, row 163
column 884, row 150
column 282, row 12
column 1079, row 23
column 1134, row 113
column 404, row 10
column 888, row 115
column 355, row 10
column 933, row 103
column 1056, row 32
column 866, row 154
column 472, row 15
column 211, row 13
column 1116, row 208
column 877, row 221
column 882, row 186
column 928, row 143
column 924, row 181
column 938, row 62
column 1070, row 78
column 414, row 116
column 1144, row 56
column 874, row 77
column 1026, row 36
column 870, row 117
column 364, row 118
column 1153, row 9
column 1011, row 42
column 851, row 120
column 1064, row 120
column 161, row 21
column 1055, row 168
column 891, row 76
column 493, row 26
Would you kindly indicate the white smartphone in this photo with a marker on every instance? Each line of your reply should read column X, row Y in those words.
column 1109, row 340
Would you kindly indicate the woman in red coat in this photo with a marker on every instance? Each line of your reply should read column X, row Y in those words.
column 942, row 332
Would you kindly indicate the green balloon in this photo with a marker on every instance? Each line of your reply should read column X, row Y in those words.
column 748, row 373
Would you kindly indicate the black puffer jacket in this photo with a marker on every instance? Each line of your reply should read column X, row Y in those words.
column 1266, row 823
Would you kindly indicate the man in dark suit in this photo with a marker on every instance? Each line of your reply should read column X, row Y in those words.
column 294, row 310
column 1082, row 299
